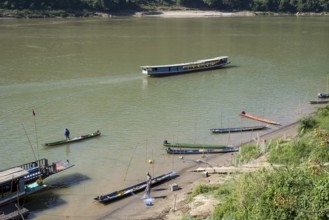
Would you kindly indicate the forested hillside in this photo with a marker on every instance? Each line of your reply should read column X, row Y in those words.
column 108, row 5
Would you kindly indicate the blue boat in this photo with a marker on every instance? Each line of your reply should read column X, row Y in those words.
column 201, row 151
column 173, row 69
column 323, row 95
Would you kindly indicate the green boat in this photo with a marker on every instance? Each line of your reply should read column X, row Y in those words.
column 199, row 146
column 82, row 137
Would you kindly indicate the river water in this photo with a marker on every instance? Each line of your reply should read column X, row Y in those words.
column 84, row 74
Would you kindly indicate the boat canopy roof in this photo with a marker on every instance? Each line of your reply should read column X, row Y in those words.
column 11, row 174
column 188, row 63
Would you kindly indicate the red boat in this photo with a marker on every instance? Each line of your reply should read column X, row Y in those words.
column 244, row 114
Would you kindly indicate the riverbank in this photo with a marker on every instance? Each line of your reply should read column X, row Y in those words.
column 173, row 205
column 175, row 13
column 202, row 13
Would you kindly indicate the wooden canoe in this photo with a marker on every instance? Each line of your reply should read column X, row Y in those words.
column 319, row 102
column 238, row 129
column 134, row 189
column 82, row 137
column 199, row 146
column 201, row 151
column 259, row 119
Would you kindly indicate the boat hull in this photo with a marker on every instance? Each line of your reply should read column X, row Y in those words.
column 259, row 119
column 174, row 69
column 238, row 129
column 76, row 139
column 319, row 102
column 117, row 195
column 198, row 146
column 201, row 151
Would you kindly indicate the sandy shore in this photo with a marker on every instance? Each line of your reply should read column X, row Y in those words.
column 199, row 13
column 172, row 205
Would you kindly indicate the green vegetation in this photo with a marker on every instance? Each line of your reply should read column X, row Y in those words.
column 43, row 8
column 298, row 189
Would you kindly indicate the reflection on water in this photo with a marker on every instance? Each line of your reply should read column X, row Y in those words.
column 67, row 150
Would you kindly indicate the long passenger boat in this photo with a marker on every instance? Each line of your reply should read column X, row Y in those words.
column 244, row 114
column 14, row 187
column 173, row 69
column 199, row 146
column 41, row 169
column 238, row 129
column 201, row 151
column 134, row 189
column 82, row 137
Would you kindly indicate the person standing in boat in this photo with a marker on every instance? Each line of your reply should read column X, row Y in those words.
column 67, row 134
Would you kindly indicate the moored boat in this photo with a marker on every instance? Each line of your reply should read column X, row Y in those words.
column 14, row 187
column 134, row 189
column 238, row 129
column 199, row 146
column 323, row 95
column 244, row 114
column 82, row 137
column 41, row 169
column 319, row 102
column 201, row 151
column 172, row 69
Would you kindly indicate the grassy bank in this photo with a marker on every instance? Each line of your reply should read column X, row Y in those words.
column 298, row 189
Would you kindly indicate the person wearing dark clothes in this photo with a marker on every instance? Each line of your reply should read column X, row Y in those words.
column 67, row 134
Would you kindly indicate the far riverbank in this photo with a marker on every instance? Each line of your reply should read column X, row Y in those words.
column 183, row 13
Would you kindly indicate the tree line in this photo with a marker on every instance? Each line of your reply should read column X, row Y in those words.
column 291, row 6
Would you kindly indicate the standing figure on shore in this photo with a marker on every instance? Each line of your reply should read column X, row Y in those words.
column 67, row 134
column 148, row 185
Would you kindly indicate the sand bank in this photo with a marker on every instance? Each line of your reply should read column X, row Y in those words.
column 195, row 13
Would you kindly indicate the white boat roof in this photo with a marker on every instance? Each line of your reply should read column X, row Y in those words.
column 11, row 174
column 188, row 63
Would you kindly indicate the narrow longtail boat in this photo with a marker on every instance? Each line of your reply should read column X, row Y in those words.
column 201, row 151
column 319, row 102
column 82, row 137
column 244, row 114
column 199, row 146
column 238, row 129
column 134, row 189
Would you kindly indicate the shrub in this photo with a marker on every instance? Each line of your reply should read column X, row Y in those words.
column 306, row 124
